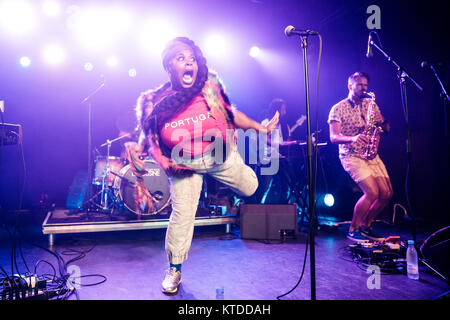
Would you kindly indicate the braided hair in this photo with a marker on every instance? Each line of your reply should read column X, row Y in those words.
column 171, row 105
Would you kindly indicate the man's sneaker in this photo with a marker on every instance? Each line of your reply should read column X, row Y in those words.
column 369, row 233
column 171, row 281
column 356, row 236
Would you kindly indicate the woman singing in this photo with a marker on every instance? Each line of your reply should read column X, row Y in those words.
column 188, row 124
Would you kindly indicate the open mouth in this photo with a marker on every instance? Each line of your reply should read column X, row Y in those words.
column 188, row 77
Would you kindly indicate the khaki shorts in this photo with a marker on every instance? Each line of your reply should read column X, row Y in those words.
column 360, row 169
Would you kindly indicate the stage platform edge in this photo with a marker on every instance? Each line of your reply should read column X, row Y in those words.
column 52, row 228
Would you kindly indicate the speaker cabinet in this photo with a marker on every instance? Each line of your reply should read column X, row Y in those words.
column 265, row 221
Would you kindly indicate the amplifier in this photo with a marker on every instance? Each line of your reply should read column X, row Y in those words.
column 266, row 221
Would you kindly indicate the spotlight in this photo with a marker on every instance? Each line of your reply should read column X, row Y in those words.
column 132, row 72
column 25, row 61
column 328, row 200
column 155, row 34
column 112, row 61
column 99, row 28
column 254, row 51
column 17, row 17
column 88, row 66
column 54, row 54
column 215, row 45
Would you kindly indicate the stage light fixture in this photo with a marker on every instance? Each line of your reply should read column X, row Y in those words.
column 132, row 73
column 88, row 66
column 99, row 28
column 254, row 51
column 25, row 61
column 54, row 54
column 17, row 17
column 112, row 61
column 215, row 45
column 328, row 200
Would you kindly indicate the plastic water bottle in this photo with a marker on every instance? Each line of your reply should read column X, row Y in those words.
column 220, row 290
column 412, row 261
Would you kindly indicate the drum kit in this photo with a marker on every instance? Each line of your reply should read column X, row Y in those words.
column 115, row 182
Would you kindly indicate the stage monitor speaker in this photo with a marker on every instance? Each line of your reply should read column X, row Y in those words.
column 265, row 221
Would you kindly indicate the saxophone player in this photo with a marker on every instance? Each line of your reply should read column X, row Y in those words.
column 348, row 123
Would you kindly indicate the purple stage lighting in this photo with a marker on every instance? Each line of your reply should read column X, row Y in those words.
column 254, row 51
column 88, row 66
column 17, row 17
column 215, row 45
column 155, row 34
column 99, row 28
column 51, row 8
column 112, row 61
column 25, row 61
column 54, row 54
column 132, row 73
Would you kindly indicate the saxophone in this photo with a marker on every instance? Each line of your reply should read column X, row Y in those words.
column 372, row 131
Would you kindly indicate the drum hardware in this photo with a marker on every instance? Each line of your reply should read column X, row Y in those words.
column 104, row 178
column 114, row 164
column 105, row 192
column 131, row 183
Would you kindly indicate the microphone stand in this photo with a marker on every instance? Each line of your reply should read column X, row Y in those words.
column 445, row 99
column 88, row 99
column 311, row 194
column 403, row 76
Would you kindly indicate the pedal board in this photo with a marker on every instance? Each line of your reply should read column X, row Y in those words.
column 387, row 255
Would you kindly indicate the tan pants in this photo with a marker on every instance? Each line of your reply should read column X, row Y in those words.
column 185, row 194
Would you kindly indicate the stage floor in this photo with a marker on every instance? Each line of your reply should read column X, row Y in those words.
column 133, row 263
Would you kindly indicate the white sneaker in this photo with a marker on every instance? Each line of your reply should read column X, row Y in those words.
column 171, row 281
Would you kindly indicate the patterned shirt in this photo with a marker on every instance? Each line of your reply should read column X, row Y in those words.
column 353, row 121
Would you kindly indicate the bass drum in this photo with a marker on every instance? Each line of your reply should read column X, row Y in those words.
column 156, row 181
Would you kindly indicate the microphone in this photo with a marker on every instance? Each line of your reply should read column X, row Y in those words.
column 290, row 31
column 369, row 53
column 425, row 64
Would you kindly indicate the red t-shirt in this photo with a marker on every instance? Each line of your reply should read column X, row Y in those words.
column 194, row 128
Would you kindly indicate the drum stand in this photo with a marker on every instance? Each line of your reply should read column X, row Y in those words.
column 107, row 197
column 105, row 191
